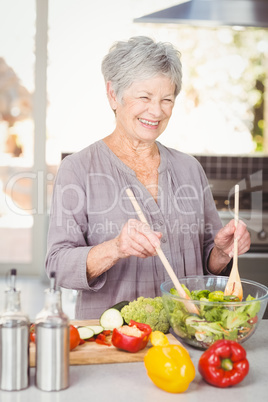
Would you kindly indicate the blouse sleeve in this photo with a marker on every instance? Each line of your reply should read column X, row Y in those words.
column 67, row 247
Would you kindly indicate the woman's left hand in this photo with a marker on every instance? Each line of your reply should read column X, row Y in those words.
column 224, row 240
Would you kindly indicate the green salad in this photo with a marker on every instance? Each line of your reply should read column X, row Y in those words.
column 230, row 320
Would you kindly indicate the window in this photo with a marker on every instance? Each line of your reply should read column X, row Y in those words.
column 22, row 210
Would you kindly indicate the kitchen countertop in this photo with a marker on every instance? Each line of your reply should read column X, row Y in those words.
column 129, row 381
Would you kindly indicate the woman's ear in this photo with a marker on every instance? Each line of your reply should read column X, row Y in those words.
column 111, row 96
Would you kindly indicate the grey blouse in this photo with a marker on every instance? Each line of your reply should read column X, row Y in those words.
column 90, row 206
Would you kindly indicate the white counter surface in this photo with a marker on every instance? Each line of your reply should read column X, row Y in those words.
column 128, row 382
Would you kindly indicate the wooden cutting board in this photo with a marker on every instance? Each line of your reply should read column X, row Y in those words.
column 93, row 353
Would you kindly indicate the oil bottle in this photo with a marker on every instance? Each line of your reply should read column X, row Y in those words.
column 52, row 342
column 14, row 341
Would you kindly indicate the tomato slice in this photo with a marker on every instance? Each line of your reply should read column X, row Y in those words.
column 74, row 337
column 253, row 320
column 32, row 333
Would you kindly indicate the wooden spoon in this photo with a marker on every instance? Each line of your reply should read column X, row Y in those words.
column 234, row 286
column 190, row 306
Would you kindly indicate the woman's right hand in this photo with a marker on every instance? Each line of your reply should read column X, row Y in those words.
column 137, row 239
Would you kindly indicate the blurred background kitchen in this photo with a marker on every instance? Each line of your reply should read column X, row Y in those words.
column 53, row 102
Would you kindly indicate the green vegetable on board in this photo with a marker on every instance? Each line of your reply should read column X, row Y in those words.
column 111, row 319
column 149, row 311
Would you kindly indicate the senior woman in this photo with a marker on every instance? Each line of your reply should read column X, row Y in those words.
column 96, row 244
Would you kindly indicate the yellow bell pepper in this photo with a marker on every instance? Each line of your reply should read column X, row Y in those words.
column 158, row 338
column 170, row 367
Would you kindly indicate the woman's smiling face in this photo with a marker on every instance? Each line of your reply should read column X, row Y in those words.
column 145, row 109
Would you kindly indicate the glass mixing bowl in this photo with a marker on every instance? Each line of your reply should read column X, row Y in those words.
column 232, row 320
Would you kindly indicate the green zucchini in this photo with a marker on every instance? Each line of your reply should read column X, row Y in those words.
column 111, row 319
column 97, row 329
column 120, row 305
column 85, row 332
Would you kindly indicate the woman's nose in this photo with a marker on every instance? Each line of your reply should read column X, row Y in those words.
column 155, row 108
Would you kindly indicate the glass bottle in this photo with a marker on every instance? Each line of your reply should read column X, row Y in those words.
column 14, row 341
column 52, row 342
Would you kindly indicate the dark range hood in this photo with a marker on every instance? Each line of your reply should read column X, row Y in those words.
column 246, row 13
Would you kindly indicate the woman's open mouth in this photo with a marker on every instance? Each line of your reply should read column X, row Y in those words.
column 149, row 122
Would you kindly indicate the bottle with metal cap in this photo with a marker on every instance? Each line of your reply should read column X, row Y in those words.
column 14, row 341
column 52, row 342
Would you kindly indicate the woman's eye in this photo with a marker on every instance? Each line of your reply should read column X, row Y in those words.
column 144, row 97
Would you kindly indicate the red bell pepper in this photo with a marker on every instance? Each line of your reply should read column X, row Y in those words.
column 224, row 364
column 133, row 338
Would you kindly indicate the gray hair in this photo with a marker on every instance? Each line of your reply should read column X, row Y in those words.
column 140, row 58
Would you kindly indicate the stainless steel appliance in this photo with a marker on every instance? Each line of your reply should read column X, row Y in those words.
column 251, row 173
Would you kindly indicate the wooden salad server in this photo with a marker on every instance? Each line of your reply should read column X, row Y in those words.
column 190, row 306
column 234, row 285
